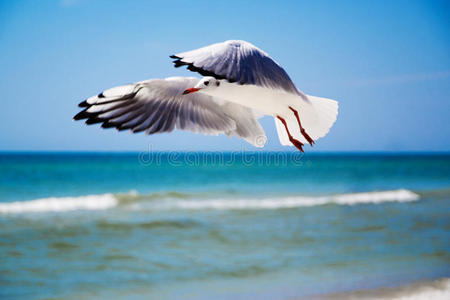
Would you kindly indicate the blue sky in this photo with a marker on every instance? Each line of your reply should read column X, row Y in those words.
column 386, row 62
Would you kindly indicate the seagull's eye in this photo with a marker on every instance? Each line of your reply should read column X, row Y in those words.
column 206, row 82
column 217, row 83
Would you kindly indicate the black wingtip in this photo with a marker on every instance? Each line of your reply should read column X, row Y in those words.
column 178, row 63
column 83, row 104
column 108, row 125
column 138, row 130
column 81, row 115
column 190, row 66
column 94, row 120
column 101, row 95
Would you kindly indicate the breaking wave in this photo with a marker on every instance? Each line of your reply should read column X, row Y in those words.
column 173, row 200
column 293, row 201
column 60, row 204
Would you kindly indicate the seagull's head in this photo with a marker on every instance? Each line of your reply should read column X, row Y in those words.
column 206, row 83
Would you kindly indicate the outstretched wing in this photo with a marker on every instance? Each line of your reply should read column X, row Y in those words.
column 158, row 105
column 247, row 125
column 237, row 61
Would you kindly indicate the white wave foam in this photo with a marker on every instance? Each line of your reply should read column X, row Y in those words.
column 290, row 202
column 61, row 204
column 436, row 290
column 401, row 195
column 439, row 290
column 105, row 201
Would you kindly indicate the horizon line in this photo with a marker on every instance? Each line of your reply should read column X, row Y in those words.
column 394, row 152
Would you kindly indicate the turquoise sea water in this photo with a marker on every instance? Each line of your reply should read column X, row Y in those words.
column 219, row 226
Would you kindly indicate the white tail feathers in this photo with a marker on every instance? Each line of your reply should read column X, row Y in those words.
column 317, row 116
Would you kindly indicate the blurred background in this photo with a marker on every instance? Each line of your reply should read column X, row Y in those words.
column 87, row 213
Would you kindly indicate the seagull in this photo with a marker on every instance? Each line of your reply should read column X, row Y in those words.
column 241, row 83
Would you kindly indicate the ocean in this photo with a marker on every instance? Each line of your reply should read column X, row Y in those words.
column 213, row 225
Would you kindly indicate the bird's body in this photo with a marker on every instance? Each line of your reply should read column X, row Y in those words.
column 240, row 81
column 267, row 101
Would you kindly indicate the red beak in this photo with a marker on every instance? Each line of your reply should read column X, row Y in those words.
column 191, row 90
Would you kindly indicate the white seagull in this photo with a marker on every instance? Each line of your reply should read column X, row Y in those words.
column 241, row 82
